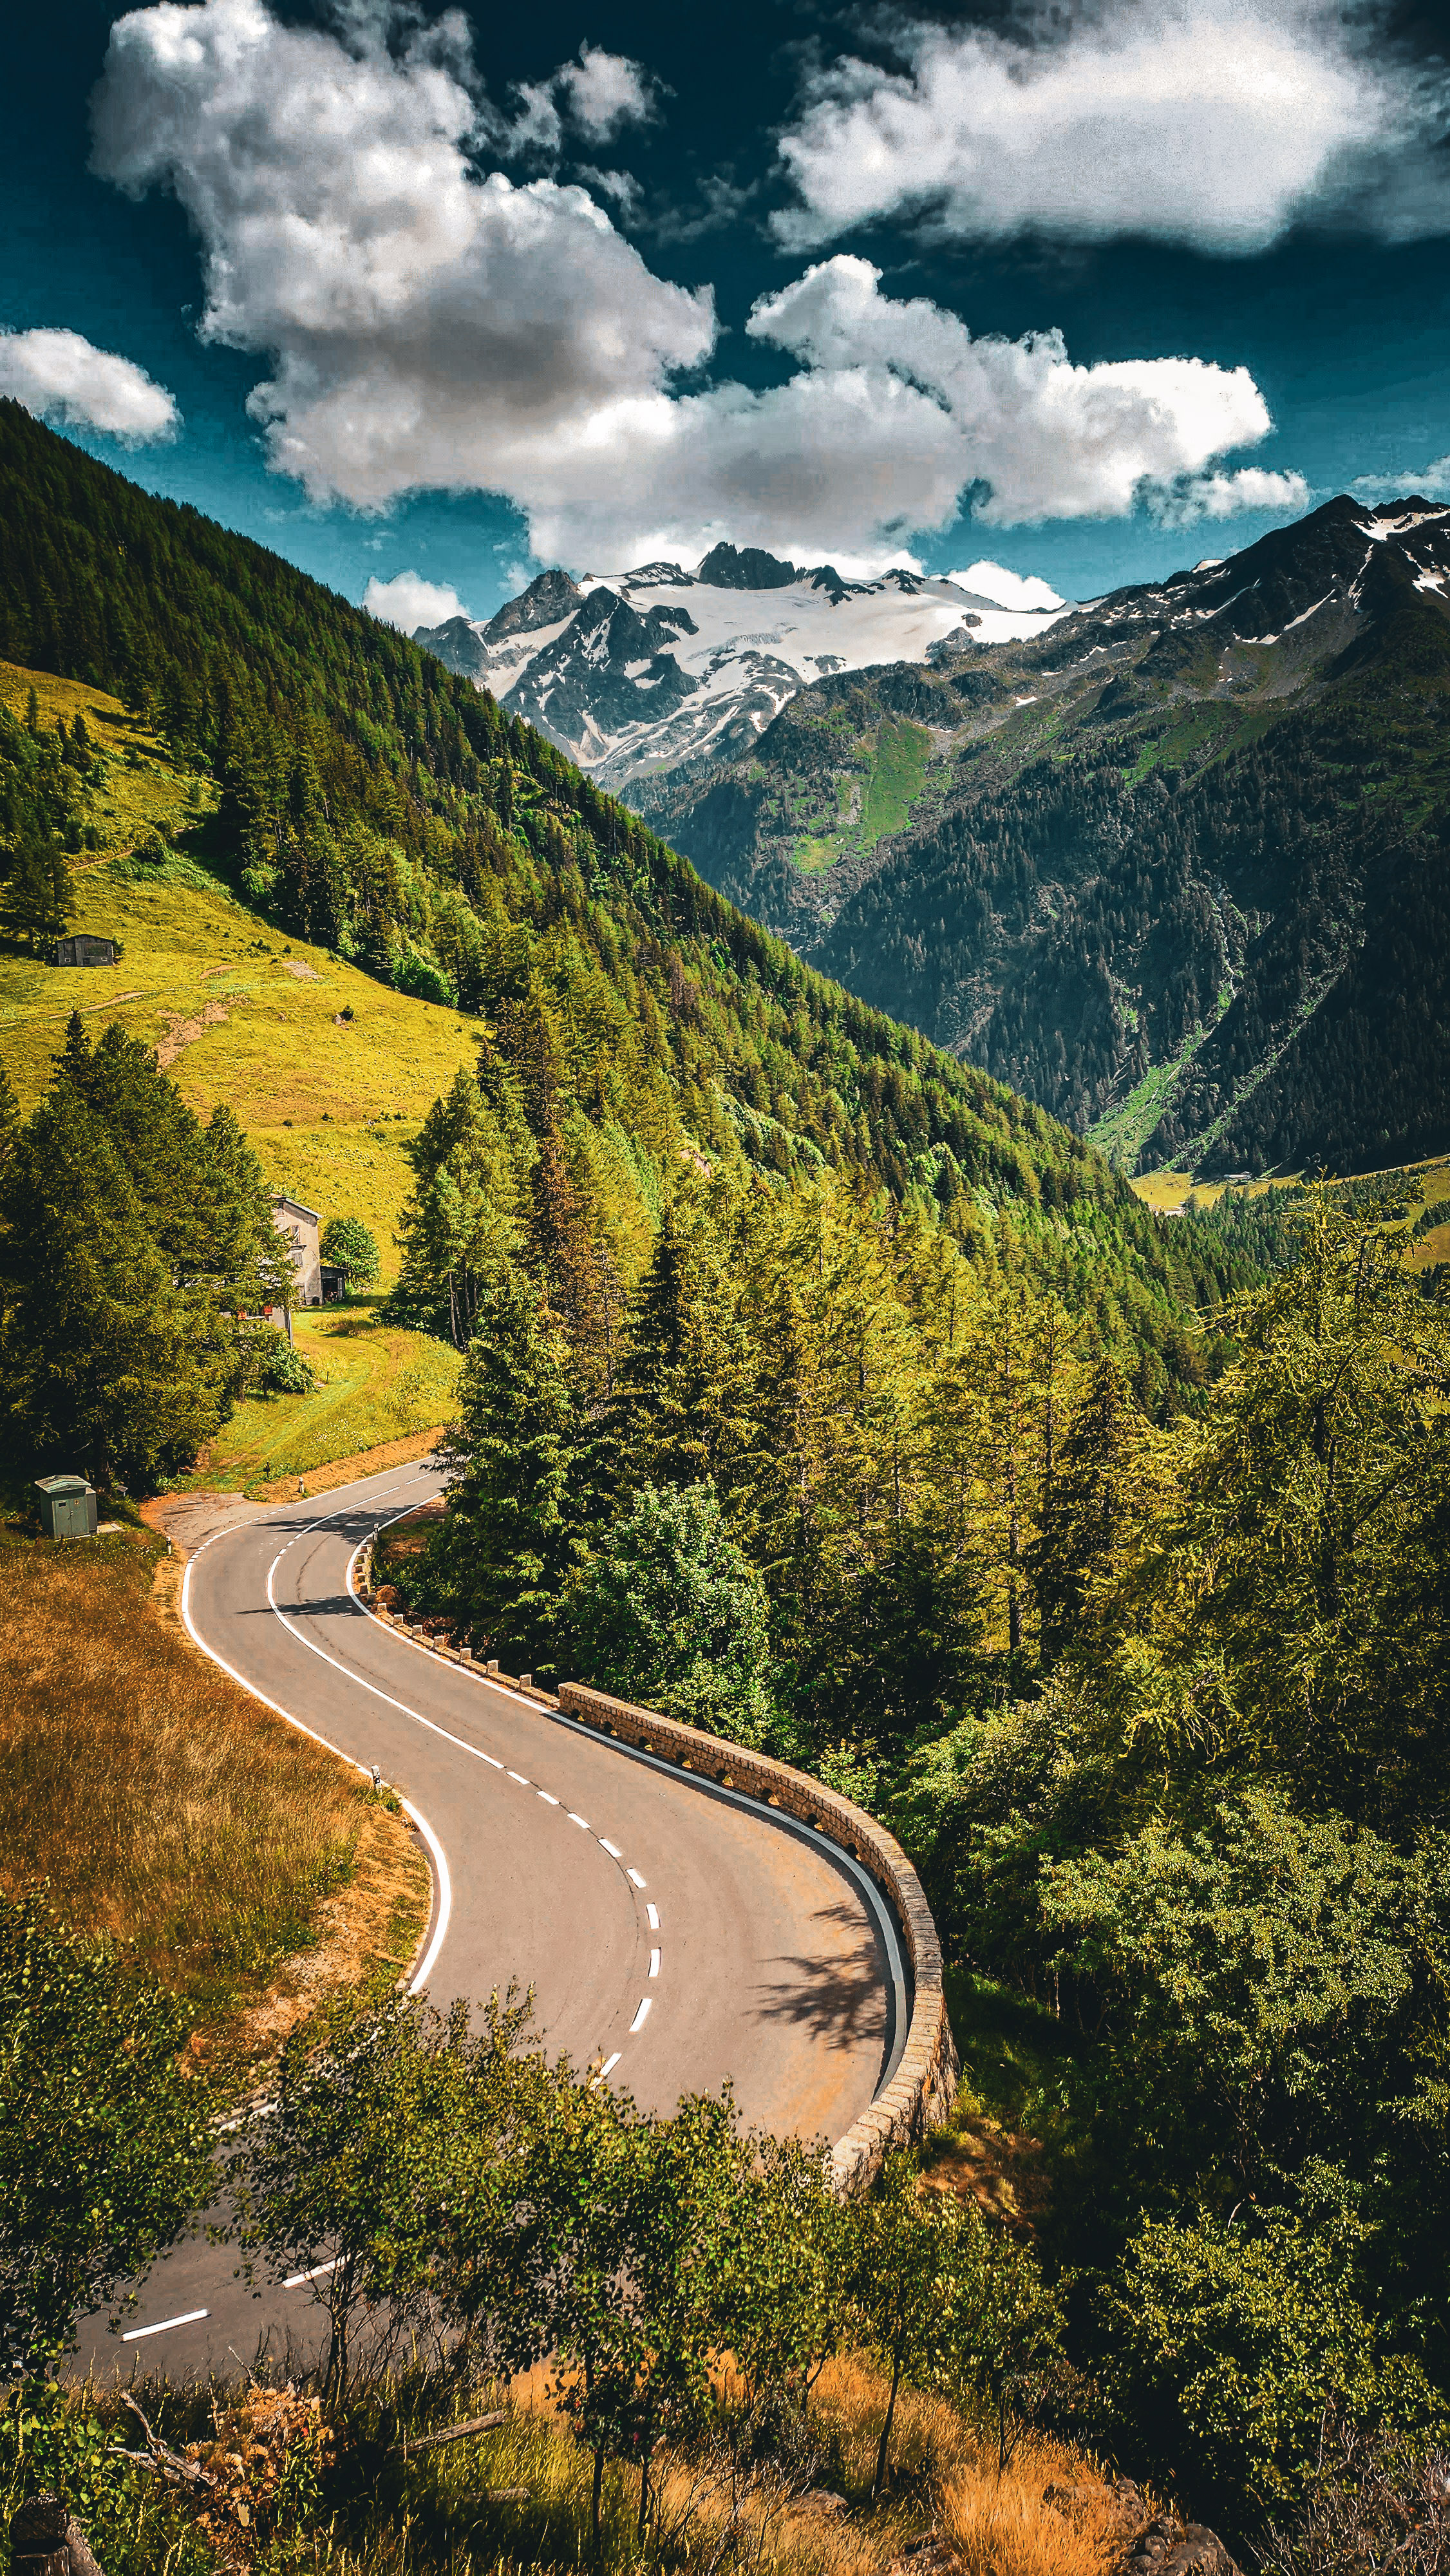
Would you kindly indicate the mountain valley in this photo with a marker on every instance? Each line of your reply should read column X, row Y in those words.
column 1176, row 869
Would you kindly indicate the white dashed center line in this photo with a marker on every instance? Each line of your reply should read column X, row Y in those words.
column 193, row 2317
column 641, row 2017
column 654, row 1963
column 548, row 1801
column 612, row 1848
column 639, row 1882
column 578, row 1820
column 318, row 2272
column 523, row 1783
column 653, row 1912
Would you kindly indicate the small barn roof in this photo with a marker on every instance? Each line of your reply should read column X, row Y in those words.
column 62, row 1485
column 284, row 1198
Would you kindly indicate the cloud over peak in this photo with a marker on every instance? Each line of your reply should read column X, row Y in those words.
column 1212, row 122
column 430, row 324
column 64, row 378
column 408, row 602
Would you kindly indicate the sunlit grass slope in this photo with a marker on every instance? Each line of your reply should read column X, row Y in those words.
column 328, row 1071
column 238, row 1013
column 166, row 1807
column 377, row 1384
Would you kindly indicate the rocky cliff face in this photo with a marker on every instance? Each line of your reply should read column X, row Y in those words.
column 661, row 671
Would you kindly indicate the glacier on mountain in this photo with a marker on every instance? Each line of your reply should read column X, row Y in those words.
column 662, row 669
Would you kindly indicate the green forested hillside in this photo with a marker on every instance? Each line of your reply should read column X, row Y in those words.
column 1177, row 870
column 816, row 1387
column 377, row 805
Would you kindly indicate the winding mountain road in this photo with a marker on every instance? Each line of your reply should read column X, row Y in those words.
column 674, row 1932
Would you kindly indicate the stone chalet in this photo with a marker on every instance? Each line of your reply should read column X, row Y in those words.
column 299, row 1228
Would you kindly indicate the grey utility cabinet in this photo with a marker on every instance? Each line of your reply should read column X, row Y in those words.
column 67, row 1506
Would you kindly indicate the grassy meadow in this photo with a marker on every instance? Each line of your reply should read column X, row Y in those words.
column 238, row 1013
column 168, row 1808
column 328, row 1071
column 1430, row 1182
column 378, row 1385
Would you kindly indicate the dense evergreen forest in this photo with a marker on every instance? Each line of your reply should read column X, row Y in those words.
column 1180, row 866
column 376, row 803
column 817, row 1389
column 1160, row 1713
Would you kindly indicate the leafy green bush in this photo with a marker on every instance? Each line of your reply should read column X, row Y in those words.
column 1230, row 2344
column 669, row 1611
column 105, row 2145
column 423, row 977
column 58, row 2441
column 281, row 1368
column 348, row 1245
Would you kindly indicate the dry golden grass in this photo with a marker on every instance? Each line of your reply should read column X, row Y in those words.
column 166, row 1807
column 517, row 2498
column 1048, row 2514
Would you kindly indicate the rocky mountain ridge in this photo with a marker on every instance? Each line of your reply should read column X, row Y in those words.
column 661, row 670
column 1174, row 869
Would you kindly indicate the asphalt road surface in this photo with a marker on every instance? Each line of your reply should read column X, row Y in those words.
column 675, row 1934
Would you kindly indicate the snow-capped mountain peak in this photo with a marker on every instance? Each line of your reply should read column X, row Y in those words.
column 632, row 673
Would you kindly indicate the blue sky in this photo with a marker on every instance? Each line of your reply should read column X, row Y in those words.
column 551, row 285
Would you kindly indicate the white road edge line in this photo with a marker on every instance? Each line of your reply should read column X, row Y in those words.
column 193, row 2317
column 641, row 2017
column 876, row 1905
column 442, row 1879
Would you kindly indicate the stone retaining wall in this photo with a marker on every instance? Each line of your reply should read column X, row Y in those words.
column 920, row 2092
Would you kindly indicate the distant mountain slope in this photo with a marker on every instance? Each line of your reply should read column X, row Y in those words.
column 376, row 806
column 1178, row 871
column 661, row 669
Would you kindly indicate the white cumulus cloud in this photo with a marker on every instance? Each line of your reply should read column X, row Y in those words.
column 408, row 601
column 1049, row 438
column 1216, row 122
column 599, row 93
column 604, row 92
column 1431, row 482
column 1224, row 496
column 429, row 325
column 428, row 328
column 1009, row 589
column 62, row 377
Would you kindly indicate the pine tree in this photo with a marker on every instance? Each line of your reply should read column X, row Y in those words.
column 564, row 1248
column 39, row 895
column 107, row 1366
column 512, row 1537
column 9, row 1118
column 1087, row 1508
column 674, row 1379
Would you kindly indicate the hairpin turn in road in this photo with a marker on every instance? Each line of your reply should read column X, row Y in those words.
column 673, row 1932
